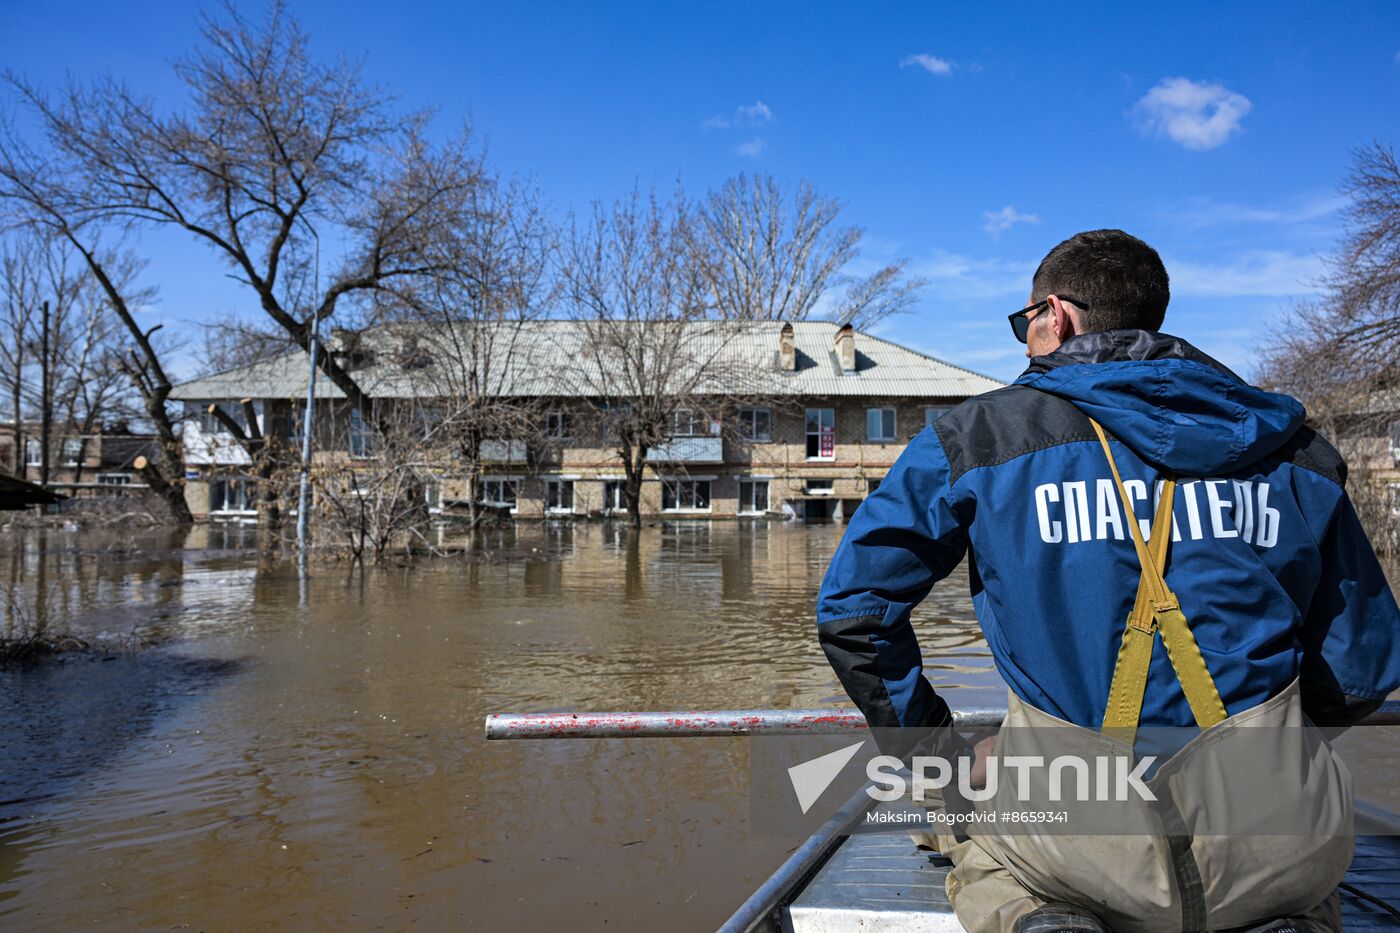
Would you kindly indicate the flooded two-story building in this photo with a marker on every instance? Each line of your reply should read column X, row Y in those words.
column 786, row 419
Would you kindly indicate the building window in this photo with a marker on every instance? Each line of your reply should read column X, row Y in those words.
column 559, row 495
column 31, row 452
column 820, row 487
column 879, row 424
column 428, row 418
column 685, row 494
column 500, row 493
column 614, row 416
column 114, row 479
column 753, row 496
column 558, row 425
column 230, row 494
column 614, row 498
column 362, row 440
column 72, row 450
column 934, row 413
column 756, row 424
column 821, row 434
column 871, row 485
column 210, row 424
column 691, row 423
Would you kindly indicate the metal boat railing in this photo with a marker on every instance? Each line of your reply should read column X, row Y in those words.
column 742, row 722
column 761, row 910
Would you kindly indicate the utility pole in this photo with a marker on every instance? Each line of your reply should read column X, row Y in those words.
column 46, row 398
column 309, row 422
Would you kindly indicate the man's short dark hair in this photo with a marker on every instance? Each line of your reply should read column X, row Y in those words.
column 1118, row 276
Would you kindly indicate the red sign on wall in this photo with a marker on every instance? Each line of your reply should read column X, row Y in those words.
column 828, row 441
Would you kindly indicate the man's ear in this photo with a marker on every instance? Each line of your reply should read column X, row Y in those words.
column 1064, row 323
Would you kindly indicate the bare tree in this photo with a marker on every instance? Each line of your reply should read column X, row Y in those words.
column 776, row 254
column 1339, row 352
column 474, row 334
column 270, row 145
column 55, row 321
column 46, row 190
column 644, row 347
column 80, row 355
column 20, row 267
column 374, row 501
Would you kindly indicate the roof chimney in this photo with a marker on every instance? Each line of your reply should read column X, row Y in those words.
column 787, row 349
column 846, row 348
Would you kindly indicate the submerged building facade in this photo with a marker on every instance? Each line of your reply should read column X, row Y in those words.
column 763, row 419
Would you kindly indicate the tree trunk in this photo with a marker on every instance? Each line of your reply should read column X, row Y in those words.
column 634, row 465
column 171, row 492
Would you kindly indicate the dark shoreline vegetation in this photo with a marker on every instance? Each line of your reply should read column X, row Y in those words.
column 32, row 647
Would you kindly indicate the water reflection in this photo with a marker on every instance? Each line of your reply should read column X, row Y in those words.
column 320, row 762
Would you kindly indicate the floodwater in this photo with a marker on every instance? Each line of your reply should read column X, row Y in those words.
column 310, row 755
column 300, row 756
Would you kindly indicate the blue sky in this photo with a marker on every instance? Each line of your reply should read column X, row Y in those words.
column 969, row 138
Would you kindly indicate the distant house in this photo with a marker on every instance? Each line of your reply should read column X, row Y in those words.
column 800, row 419
column 81, row 465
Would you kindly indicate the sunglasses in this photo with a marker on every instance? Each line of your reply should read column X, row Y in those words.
column 1021, row 324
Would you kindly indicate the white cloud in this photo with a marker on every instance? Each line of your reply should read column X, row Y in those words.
column 930, row 63
column 755, row 114
column 1195, row 114
column 1256, row 273
column 752, row 148
column 998, row 222
column 1204, row 212
column 956, row 276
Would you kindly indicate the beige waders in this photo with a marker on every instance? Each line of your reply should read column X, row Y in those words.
column 1252, row 821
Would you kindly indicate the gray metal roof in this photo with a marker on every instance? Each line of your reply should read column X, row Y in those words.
column 564, row 358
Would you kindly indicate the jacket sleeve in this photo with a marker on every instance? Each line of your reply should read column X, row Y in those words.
column 906, row 536
column 1351, row 633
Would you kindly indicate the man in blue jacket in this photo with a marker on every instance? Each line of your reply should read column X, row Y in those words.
column 1268, row 558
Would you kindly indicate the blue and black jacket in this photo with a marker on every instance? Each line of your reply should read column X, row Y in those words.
column 1268, row 558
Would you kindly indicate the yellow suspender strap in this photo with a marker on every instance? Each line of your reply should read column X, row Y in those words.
column 1155, row 609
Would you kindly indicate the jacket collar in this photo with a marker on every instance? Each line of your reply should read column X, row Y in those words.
column 1109, row 346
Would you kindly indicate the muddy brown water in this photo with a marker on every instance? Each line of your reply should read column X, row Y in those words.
column 302, row 755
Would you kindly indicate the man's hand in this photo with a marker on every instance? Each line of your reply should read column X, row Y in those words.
column 977, row 777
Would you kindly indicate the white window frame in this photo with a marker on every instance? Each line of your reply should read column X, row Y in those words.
column 244, row 485
column 559, row 482
column 692, row 482
column 499, row 500
column 830, row 489
column 558, row 424
column 888, row 417
column 753, row 481
column 617, row 485
column 33, row 452
column 748, row 424
column 114, row 479
column 821, row 416
column 81, row 450
column 688, row 422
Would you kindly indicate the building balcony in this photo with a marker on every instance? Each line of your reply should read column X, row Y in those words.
column 688, row 450
column 502, row 451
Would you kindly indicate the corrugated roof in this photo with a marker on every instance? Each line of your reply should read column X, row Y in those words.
column 562, row 358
